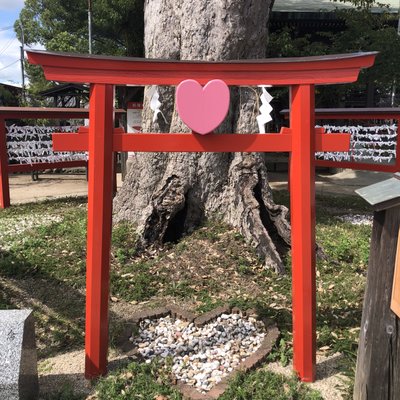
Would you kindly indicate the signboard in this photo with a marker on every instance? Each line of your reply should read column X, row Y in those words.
column 134, row 117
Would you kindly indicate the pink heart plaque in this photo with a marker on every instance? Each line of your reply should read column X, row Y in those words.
column 202, row 109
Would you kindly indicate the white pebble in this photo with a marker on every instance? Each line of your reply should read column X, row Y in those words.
column 201, row 356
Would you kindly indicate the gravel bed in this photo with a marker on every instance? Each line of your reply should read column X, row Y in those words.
column 201, row 357
column 356, row 219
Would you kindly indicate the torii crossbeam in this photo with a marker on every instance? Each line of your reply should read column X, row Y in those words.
column 302, row 140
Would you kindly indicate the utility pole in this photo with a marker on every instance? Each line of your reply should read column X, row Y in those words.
column 398, row 21
column 90, row 25
column 393, row 96
column 22, row 47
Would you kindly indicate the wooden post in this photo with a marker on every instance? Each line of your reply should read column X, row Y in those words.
column 101, row 125
column 4, row 183
column 378, row 359
column 395, row 301
column 302, row 203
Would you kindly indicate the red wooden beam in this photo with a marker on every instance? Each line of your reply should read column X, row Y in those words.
column 99, row 229
column 4, row 185
column 139, row 71
column 302, row 211
column 196, row 143
column 176, row 142
column 70, row 141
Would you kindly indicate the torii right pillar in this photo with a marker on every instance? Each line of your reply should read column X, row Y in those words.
column 302, row 205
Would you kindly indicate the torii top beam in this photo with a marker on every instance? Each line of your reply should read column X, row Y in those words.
column 330, row 69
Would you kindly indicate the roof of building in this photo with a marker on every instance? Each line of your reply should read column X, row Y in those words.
column 65, row 89
column 12, row 86
column 320, row 5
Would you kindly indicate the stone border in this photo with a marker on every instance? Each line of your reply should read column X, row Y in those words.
column 190, row 392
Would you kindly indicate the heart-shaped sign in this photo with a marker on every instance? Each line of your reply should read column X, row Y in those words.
column 202, row 109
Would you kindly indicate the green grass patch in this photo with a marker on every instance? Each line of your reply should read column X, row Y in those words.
column 147, row 381
column 262, row 384
column 124, row 243
column 5, row 303
column 133, row 282
column 52, row 250
column 66, row 392
column 137, row 381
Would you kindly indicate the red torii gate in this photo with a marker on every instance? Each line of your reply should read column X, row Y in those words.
column 301, row 139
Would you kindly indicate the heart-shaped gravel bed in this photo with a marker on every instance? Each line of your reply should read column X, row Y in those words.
column 206, row 350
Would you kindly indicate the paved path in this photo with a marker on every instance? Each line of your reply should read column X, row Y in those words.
column 51, row 186
column 345, row 182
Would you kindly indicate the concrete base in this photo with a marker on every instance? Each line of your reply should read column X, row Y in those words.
column 18, row 359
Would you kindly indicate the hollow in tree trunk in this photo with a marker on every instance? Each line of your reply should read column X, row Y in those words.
column 169, row 194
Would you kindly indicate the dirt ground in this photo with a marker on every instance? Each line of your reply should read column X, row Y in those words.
column 69, row 367
column 51, row 185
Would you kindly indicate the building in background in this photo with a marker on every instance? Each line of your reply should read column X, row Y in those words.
column 10, row 95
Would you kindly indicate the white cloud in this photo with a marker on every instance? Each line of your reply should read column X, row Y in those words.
column 10, row 5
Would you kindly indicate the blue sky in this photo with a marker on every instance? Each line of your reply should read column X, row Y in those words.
column 9, row 45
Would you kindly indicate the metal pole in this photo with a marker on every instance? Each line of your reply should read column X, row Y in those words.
column 90, row 25
column 398, row 21
column 393, row 96
column 22, row 61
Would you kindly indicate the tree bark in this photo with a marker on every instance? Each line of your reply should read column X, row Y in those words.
column 167, row 195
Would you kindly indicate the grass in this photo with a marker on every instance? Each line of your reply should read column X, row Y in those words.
column 138, row 381
column 42, row 255
column 263, row 384
column 66, row 392
column 150, row 381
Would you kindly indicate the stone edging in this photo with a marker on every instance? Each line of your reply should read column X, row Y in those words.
column 189, row 392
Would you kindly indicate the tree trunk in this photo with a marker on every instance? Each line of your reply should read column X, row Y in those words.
column 167, row 195
column 378, row 359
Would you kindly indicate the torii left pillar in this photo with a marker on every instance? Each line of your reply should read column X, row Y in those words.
column 101, row 159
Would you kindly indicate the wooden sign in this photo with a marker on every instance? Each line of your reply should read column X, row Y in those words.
column 395, row 304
